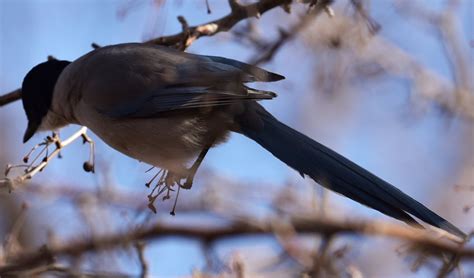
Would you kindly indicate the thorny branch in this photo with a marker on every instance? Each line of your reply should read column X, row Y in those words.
column 432, row 244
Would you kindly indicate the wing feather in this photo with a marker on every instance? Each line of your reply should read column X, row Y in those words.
column 139, row 80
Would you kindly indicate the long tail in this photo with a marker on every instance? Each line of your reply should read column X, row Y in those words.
column 334, row 171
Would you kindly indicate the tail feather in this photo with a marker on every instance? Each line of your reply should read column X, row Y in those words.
column 337, row 173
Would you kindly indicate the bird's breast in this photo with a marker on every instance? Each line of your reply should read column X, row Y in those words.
column 165, row 142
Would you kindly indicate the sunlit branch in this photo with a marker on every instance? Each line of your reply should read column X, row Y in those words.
column 32, row 169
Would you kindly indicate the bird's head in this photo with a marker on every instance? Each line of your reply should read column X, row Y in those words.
column 37, row 93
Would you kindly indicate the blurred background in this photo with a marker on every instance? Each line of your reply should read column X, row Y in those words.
column 388, row 85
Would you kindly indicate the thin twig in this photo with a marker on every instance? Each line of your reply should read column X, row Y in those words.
column 10, row 184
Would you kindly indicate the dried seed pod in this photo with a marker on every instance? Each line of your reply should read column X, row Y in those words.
column 88, row 167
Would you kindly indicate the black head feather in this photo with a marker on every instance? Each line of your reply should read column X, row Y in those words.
column 37, row 92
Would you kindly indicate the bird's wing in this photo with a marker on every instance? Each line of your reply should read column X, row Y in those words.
column 178, row 98
column 252, row 73
column 137, row 80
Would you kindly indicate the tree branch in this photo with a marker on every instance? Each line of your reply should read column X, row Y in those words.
column 238, row 13
column 10, row 97
column 32, row 169
column 432, row 244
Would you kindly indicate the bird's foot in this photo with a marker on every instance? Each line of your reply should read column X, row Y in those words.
column 184, row 181
column 166, row 180
column 188, row 183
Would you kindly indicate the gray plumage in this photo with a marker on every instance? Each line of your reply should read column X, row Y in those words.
column 164, row 107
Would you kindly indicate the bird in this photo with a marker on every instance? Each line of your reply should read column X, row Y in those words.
column 167, row 108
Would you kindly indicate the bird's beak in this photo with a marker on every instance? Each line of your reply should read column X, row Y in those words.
column 30, row 131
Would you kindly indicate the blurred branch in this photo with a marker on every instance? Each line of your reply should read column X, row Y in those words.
column 64, row 271
column 350, row 44
column 427, row 83
column 454, row 44
column 373, row 26
column 271, row 49
column 434, row 245
column 140, row 247
column 446, row 25
column 109, row 196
